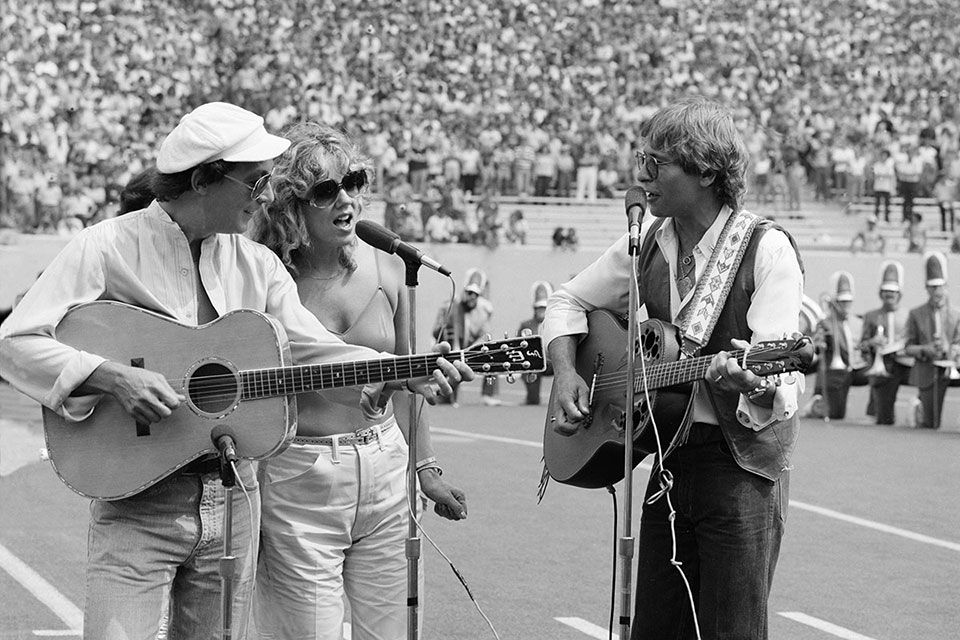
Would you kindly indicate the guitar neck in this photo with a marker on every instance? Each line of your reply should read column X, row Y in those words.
column 282, row 381
column 672, row 373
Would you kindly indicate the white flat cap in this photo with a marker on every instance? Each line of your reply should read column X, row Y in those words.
column 218, row 131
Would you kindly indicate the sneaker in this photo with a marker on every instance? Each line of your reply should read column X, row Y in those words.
column 490, row 401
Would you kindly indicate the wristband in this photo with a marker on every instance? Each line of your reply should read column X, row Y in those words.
column 429, row 463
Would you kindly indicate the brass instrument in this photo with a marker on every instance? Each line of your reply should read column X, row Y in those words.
column 836, row 363
column 878, row 369
column 940, row 343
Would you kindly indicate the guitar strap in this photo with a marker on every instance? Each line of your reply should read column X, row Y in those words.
column 710, row 294
column 705, row 307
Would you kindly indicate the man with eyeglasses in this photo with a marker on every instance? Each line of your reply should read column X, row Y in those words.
column 730, row 456
column 153, row 557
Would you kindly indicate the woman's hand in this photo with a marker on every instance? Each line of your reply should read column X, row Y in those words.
column 449, row 501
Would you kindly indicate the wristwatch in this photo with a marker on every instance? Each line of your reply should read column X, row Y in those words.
column 760, row 390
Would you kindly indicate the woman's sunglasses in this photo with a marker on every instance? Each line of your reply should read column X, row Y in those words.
column 323, row 194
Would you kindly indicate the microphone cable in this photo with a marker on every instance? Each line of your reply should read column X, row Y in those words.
column 613, row 580
column 463, row 581
column 665, row 479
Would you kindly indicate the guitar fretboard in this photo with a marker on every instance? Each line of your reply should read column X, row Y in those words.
column 683, row 371
column 280, row 381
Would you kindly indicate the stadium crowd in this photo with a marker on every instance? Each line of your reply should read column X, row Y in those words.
column 453, row 98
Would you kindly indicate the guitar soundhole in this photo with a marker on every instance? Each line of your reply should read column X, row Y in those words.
column 641, row 414
column 212, row 388
column 651, row 345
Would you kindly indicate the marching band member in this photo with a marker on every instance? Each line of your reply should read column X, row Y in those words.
column 883, row 340
column 933, row 338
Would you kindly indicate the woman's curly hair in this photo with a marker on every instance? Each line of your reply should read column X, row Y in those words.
column 316, row 152
column 704, row 139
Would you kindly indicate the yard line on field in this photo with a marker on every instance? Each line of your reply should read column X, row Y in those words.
column 823, row 625
column 588, row 628
column 41, row 589
column 830, row 513
column 878, row 526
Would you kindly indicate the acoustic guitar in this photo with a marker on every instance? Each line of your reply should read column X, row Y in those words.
column 593, row 456
column 237, row 377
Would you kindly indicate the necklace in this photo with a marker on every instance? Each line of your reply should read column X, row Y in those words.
column 685, row 274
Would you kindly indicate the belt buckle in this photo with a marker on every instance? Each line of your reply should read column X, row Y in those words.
column 366, row 436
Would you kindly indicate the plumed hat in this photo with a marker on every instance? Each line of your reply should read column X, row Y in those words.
column 842, row 286
column 476, row 281
column 541, row 291
column 891, row 276
column 935, row 267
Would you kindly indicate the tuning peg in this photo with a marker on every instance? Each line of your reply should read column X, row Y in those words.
column 530, row 377
column 510, row 378
column 489, row 379
column 487, row 337
column 485, row 367
column 526, row 332
column 526, row 364
column 524, row 344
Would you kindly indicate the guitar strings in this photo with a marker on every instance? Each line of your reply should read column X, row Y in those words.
column 225, row 385
column 675, row 369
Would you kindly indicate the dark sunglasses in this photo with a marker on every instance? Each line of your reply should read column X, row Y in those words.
column 650, row 165
column 323, row 194
column 258, row 188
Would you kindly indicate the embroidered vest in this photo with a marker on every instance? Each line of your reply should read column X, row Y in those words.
column 765, row 452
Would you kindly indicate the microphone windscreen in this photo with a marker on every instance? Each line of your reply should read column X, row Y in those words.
column 635, row 197
column 377, row 235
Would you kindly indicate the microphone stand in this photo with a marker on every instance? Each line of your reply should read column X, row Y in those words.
column 228, row 562
column 625, row 544
column 413, row 535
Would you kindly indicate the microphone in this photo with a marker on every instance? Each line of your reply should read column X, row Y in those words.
column 380, row 237
column 225, row 444
column 636, row 204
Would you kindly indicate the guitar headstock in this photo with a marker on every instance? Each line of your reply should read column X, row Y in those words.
column 780, row 356
column 511, row 355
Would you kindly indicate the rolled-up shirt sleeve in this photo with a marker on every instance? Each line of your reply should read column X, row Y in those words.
column 774, row 314
column 31, row 359
column 604, row 284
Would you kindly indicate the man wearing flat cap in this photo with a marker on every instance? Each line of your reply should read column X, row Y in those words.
column 933, row 338
column 883, row 341
column 153, row 556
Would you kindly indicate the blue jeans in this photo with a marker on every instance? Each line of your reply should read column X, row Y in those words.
column 729, row 523
column 153, row 560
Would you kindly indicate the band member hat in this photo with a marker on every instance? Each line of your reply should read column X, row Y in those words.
column 541, row 291
column 218, row 131
column 476, row 281
column 842, row 286
column 891, row 276
column 935, row 264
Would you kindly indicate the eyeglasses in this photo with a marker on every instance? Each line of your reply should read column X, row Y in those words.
column 259, row 187
column 650, row 165
column 323, row 194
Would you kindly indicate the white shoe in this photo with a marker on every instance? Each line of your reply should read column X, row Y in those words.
column 490, row 401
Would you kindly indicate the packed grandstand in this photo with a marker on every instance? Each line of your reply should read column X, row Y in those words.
column 515, row 97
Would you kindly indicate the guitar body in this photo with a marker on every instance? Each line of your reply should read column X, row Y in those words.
column 593, row 456
column 109, row 456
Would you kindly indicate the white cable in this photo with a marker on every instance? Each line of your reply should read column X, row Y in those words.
column 453, row 568
column 665, row 488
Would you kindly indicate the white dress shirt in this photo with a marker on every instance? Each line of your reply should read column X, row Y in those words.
column 773, row 314
column 143, row 259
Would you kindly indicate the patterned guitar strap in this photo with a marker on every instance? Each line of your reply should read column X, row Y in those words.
column 704, row 308
column 702, row 312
